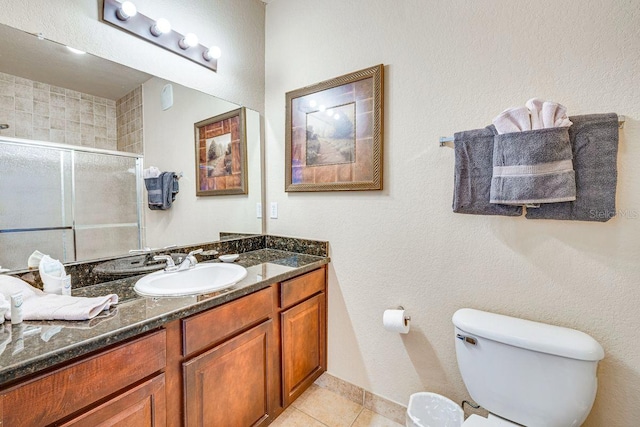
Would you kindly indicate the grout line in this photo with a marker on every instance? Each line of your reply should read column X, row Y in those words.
column 357, row 416
column 312, row 417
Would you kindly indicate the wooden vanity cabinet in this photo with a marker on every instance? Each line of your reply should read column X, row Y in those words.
column 236, row 365
column 229, row 372
column 118, row 386
column 303, row 324
column 244, row 362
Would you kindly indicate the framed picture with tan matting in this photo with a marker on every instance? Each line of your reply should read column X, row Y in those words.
column 221, row 154
column 333, row 138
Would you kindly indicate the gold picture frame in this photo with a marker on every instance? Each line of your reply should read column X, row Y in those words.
column 333, row 139
column 221, row 154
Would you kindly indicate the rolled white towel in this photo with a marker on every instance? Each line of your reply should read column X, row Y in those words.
column 151, row 172
column 5, row 307
column 563, row 122
column 554, row 115
column 38, row 305
column 534, row 105
column 515, row 119
column 549, row 114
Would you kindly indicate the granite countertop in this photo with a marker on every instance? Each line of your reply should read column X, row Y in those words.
column 34, row 346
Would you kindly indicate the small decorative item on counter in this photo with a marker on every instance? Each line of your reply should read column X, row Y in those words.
column 228, row 257
column 16, row 308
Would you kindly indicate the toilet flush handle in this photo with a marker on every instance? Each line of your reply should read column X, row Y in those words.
column 467, row 339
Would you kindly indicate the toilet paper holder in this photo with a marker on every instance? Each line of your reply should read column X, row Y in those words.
column 407, row 319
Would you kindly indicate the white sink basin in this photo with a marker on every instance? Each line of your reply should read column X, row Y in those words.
column 201, row 279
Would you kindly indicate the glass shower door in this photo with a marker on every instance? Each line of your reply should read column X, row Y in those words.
column 35, row 204
column 106, row 204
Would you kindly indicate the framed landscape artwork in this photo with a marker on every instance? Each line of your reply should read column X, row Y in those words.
column 221, row 155
column 334, row 134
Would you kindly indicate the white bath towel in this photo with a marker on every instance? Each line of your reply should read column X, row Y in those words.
column 534, row 105
column 515, row 119
column 38, row 305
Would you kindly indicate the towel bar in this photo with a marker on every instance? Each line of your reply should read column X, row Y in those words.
column 444, row 139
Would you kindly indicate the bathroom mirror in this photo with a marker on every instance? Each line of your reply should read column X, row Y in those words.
column 118, row 109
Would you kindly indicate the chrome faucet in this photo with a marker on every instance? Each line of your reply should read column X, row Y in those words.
column 189, row 261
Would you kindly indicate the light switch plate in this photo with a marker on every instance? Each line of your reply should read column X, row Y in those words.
column 258, row 210
column 274, row 210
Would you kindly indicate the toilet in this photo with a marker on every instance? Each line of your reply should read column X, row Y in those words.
column 525, row 373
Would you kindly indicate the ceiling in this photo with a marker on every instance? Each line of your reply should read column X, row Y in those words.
column 25, row 55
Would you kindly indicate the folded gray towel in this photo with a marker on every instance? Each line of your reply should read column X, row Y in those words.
column 161, row 191
column 533, row 167
column 473, row 172
column 594, row 138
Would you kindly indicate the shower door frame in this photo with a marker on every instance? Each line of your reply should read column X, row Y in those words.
column 72, row 150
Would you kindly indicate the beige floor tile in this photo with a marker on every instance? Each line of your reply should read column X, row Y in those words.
column 327, row 407
column 292, row 417
column 371, row 419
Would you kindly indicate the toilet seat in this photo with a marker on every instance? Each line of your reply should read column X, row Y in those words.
column 491, row 421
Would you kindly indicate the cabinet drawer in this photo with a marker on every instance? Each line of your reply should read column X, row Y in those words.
column 53, row 396
column 295, row 290
column 206, row 329
column 143, row 405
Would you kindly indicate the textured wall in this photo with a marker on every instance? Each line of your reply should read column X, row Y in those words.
column 237, row 27
column 453, row 66
column 44, row 112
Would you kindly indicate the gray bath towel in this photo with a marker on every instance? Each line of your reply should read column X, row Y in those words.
column 161, row 191
column 594, row 139
column 473, row 171
column 533, row 167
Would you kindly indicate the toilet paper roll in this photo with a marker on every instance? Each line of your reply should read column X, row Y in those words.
column 396, row 321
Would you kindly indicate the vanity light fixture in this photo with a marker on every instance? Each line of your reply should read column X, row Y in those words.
column 212, row 53
column 126, row 11
column 162, row 26
column 125, row 16
column 190, row 40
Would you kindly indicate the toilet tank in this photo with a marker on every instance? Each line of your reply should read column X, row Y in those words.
column 527, row 372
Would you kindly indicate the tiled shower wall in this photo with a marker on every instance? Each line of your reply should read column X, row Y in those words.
column 129, row 119
column 43, row 112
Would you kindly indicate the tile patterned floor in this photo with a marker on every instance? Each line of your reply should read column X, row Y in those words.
column 319, row 407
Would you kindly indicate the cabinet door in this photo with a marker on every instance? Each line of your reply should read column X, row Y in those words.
column 230, row 385
column 142, row 406
column 303, row 346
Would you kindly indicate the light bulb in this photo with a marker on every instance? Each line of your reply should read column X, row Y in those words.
column 126, row 11
column 212, row 53
column 336, row 116
column 190, row 40
column 162, row 26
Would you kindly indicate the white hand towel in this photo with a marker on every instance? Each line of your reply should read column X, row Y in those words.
column 5, row 307
column 534, row 105
column 151, row 172
column 563, row 122
column 513, row 120
column 549, row 114
column 38, row 305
